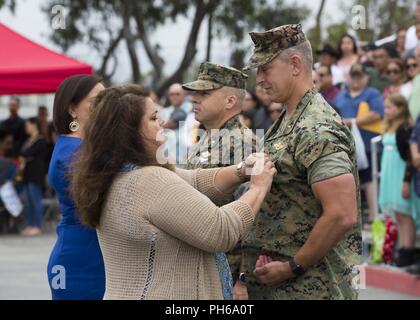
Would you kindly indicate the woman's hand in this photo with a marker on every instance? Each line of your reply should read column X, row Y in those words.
column 251, row 161
column 406, row 190
column 262, row 174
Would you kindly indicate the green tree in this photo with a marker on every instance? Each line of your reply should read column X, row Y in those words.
column 236, row 18
column 384, row 18
column 315, row 34
column 11, row 4
column 106, row 25
column 335, row 31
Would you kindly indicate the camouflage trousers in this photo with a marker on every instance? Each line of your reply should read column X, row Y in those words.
column 316, row 284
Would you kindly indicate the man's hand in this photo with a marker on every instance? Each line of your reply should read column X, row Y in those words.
column 240, row 292
column 272, row 273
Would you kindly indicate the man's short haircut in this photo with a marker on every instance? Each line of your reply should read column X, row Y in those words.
column 326, row 67
column 239, row 93
column 303, row 50
column 390, row 49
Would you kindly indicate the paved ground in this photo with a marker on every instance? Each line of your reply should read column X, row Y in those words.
column 23, row 271
column 23, row 267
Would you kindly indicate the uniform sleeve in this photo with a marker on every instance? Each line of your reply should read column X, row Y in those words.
column 317, row 143
column 331, row 166
column 186, row 214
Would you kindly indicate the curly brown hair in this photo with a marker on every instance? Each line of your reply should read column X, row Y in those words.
column 112, row 139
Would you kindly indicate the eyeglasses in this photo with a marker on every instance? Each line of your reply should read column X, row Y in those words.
column 411, row 65
column 393, row 71
column 323, row 75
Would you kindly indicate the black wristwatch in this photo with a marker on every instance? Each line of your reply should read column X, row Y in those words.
column 297, row 269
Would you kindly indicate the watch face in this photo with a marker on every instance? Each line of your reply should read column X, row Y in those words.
column 296, row 269
column 299, row 270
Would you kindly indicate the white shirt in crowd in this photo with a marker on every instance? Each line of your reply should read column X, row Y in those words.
column 190, row 130
column 176, row 143
column 411, row 40
column 406, row 89
column 337, row 73
column 165, row 113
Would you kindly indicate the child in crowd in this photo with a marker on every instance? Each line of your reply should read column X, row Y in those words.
column 396, row 194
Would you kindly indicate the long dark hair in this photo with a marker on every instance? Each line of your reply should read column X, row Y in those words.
column 70, row 93
column 346, row 35
column 112, row 139
column 36, row 123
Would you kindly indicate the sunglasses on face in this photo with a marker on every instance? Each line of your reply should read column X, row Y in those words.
column 412, row 65
column 393, row 71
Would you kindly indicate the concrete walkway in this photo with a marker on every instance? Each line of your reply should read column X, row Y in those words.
column 23, row 275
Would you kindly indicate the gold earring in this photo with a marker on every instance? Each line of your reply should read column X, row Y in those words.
column 74, row 126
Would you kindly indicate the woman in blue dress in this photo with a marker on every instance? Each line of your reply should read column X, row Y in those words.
column 75, row 268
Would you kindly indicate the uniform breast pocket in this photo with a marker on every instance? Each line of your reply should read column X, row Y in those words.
column 281, row 154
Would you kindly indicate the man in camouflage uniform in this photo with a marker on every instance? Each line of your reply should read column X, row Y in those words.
column 307, row 238
column 217, row 98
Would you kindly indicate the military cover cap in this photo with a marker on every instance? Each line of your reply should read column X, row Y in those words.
column 215, row 76
column 271, row 43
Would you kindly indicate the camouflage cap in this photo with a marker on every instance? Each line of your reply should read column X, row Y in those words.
column 215, row 76
column 271, row 43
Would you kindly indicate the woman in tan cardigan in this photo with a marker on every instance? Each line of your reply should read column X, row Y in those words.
column 158, row 226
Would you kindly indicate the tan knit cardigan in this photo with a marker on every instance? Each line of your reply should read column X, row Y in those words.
column 159, row 231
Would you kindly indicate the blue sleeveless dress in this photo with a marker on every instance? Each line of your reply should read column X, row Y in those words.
column 75, row 268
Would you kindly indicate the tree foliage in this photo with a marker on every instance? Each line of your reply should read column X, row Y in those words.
column 106, row 25
column 11, row 4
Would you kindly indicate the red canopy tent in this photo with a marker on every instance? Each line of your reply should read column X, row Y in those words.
column 28, row 68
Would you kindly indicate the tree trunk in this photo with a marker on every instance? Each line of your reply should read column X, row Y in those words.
column 318, row 28
column 152, row 53
column 190, row 49
column 387, row 26
column 131, row 42
column 113, row 44
column 209, row 37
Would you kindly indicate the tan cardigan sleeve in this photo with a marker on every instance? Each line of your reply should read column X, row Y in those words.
column 190, row 216
column 203, row 181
